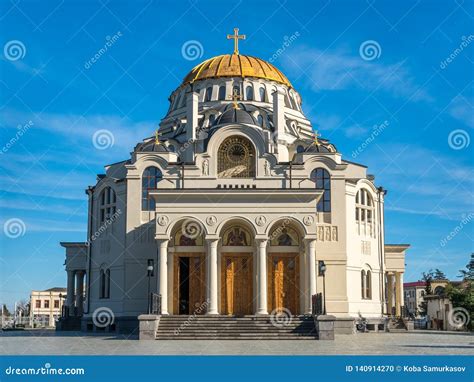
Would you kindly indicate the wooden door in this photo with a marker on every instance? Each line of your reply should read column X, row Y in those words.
column 283, row 282
column 236, row 281
column 196, row 280
column 197, row 285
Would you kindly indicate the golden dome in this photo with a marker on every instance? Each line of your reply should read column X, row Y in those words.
column 236, row 65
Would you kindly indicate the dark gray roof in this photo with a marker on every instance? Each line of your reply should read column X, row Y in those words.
column 234, row 115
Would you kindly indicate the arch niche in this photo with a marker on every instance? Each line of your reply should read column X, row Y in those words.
column 189, row 268
column 237, row 268
column 284, row 265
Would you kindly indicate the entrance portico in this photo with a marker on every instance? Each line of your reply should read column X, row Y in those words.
column 253, row 250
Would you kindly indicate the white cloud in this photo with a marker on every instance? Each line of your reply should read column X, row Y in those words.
column 462, row 109
column 337, row 70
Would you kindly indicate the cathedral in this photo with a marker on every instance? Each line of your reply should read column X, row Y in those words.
column 235, row 207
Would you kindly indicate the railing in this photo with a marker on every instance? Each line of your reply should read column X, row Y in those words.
column 155, row 303
column 317, row 304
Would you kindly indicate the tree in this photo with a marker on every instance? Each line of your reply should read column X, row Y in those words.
column 427, row 278
column 462, row 295
column 468, row 273
column 439, row 275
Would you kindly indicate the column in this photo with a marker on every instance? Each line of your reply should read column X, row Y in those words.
column 311, row 248
column 262, row 306
column 163, row 280
column 389, row 293
column 70, row 290
column 80, row 292
column 212, row 278
column 398, row 294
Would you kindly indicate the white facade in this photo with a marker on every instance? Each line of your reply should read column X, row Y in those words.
column 248, row 162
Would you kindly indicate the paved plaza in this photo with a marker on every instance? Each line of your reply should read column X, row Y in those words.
column 41, row 342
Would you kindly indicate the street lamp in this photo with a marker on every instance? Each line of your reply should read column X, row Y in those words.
column 322, row 271
column 149, row 270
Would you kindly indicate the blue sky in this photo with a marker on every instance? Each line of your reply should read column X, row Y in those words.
column 418, row 78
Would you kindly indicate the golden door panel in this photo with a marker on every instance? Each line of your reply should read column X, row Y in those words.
column 189, row 286
column 283, row 282
column 236, row 285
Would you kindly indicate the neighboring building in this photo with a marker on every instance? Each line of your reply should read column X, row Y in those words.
column 414, row 293
column 234, row 205
column 46, row 305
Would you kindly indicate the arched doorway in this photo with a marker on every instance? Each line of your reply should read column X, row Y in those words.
column 283, row 270
column 236, row 271
column 189, row 269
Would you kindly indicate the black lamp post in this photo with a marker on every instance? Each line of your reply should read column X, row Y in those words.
column 149, row 270
column 322, row 271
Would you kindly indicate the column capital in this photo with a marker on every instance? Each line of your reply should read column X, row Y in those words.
column 310, row 240
column 261, row 242
column 212, row 241
column 162, row 243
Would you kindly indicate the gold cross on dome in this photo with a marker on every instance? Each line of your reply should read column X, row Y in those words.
column 315, row 137
column 236, row 97
column 157, row 138
column 236, row 37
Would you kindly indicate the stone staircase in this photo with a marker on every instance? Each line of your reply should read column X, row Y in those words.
column 235, row 328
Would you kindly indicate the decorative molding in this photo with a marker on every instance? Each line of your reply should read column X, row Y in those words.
column 162, row 220
column 308, row 220
column 327, row 233
column 260, row 220
column 211, row 220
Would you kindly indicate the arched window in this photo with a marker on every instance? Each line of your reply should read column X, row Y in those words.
column 249, row 93
column 236, row 90
column 287, row 101
column 362, row 284
column 263, row 95
column 208, row 94
column 108, row 201
column 323, row 182
column 150, row 178
column 368, row 285
column 221, row 92
column 364, row 212
column 260, row 120
column 104, row 283
column 236, row 158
